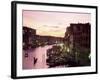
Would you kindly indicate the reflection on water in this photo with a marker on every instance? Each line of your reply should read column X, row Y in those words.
column 35, row 59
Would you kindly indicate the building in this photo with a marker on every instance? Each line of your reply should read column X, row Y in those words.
column 78, row 38
column 28, row 37
column 78, row 35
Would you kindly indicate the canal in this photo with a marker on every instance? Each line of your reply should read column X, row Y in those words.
column 35, row 59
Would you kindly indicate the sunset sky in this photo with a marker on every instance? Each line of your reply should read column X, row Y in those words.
column 53, row 23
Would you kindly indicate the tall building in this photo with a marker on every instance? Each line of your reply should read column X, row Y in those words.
column 78, row 38
column 78, row 35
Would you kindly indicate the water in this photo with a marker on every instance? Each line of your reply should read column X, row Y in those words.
column 40, row 54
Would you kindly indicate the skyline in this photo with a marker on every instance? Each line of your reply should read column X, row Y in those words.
column 53, row 23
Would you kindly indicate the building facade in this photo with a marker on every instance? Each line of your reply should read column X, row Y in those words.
column 28, row 37
column 78, row 38
column 78, row 35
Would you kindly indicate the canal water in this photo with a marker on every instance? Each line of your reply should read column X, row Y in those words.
column 35, row 59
